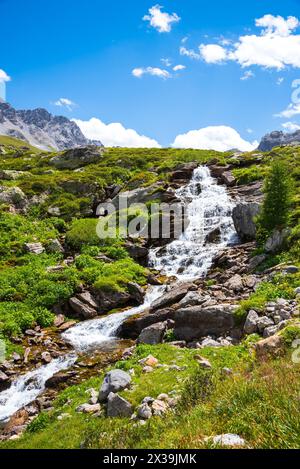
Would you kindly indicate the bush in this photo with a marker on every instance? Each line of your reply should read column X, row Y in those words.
column 83, row 233
column 15, row 318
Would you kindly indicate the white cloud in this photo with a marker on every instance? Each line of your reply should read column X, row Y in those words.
column 247, row 75
column 213, row 53
column 114, row 134
column 3, row 76
column 177, row 68
column 291, row 126
column 280, row 81
column 189, row 53
column 154, row 71
column 65, row 102
column 290, row 111
column 160, row 21
column 277, row 46
column 220, row 138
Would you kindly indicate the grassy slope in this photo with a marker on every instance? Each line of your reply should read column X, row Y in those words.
column 16, row 143
column 258, row 402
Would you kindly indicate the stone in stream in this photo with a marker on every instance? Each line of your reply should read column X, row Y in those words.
column 173, row 296
column 114, row 381
column 81, row 309
column 4, row 381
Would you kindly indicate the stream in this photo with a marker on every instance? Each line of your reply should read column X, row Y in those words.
column 209, row 210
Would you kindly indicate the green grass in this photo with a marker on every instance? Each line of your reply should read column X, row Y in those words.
column 16, row 143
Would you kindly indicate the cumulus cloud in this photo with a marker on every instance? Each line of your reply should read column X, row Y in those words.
column 178, row 68
column 4, row 77
column 154, row 71
column 247, row 75
column 114, row 134
column 277, row 46
column 159, row 20
column 220, row 138
column 65, row 102
column 292, row 110
column 213, row 53
column 291, row 126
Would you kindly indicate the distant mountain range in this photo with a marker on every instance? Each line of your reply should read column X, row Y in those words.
column 41, row 129
column 278, row 139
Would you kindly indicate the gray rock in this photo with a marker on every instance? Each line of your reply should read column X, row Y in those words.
column 114, row 381
column 275, row 242
column 117, row 406
column 235, row 283
column 209, row 342
column 228, row 178
column 243, row 218
column 196, row 321
column 4, row 381
column 81, row 309
column 173, row 296
column 252, row 319
column 144, row 411
column 136, row 292
column 77, row 157
column 88, row 408
column 12, row 175
column 291, row 269
column 153, row 334
column 13, row 196
column 256, row 261
column 34, row 248
column 88, row 299
column 264, row 322
column 297, row 291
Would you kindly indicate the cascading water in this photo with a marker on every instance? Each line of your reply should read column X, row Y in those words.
column 209, row 208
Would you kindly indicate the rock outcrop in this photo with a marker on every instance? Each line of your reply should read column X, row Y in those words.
column 77, row 157
column 243, row 217
column 278, row 139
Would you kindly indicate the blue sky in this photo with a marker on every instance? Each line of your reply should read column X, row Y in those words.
column 105, row 60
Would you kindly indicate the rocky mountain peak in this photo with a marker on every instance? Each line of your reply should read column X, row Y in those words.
column 278, row 138
column 41, row 129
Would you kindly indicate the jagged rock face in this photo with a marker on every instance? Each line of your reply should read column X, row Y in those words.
column 41, row 129
column 277, row 139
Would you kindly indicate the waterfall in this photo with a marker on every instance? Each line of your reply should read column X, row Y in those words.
column 209, row 208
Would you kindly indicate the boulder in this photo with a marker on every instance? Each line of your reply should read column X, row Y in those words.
column 34, row 248
column 264, row 322
column 195, row 322
column 114, row 381
column 58, row 379
column 81, row 309
column 55, row 246
column 276, row 241
column 243, row 216
column 88, row 408
column 271, row 347
column 214, row 236
column 111, row 299
column 193, row 298
column 256, row 261
column 4, row 381
column 117, row 406
column 217, row 171
column 77, row 157
column 229, row 439
column 250, row 326
column 88, row 299
column 137, row 251
column 153, row 334
column 133, row 326
column 136, row 292
column 177, row 292
column 228, row 178
column 291, row 269
column 12, row 175
column 183, row 171
column 13, row 196
column 144, row 411
column 235, row 283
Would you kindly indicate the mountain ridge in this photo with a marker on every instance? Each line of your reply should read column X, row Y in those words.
column 41, row 129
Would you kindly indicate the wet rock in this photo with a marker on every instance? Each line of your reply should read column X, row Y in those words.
column 252, row 319
column 136, row 292
column 59, row 320
column 66, row 326
column 77, row 157
column 4, row 381
column 108, row 300
column 59, row 378
column 34, row 248
column 243, row 218
column 153, row 334
column 176, row 294
column 214, row 236
column 228, row 179
column 133, row 326
column 81, row 309
column 117, row 406
column 114, row 381
column 46, row 357
column 138, row 252
column 196, row 321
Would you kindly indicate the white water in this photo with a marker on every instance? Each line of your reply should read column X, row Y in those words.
column 188, row 257
column 27, row 387
column 208, row 208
